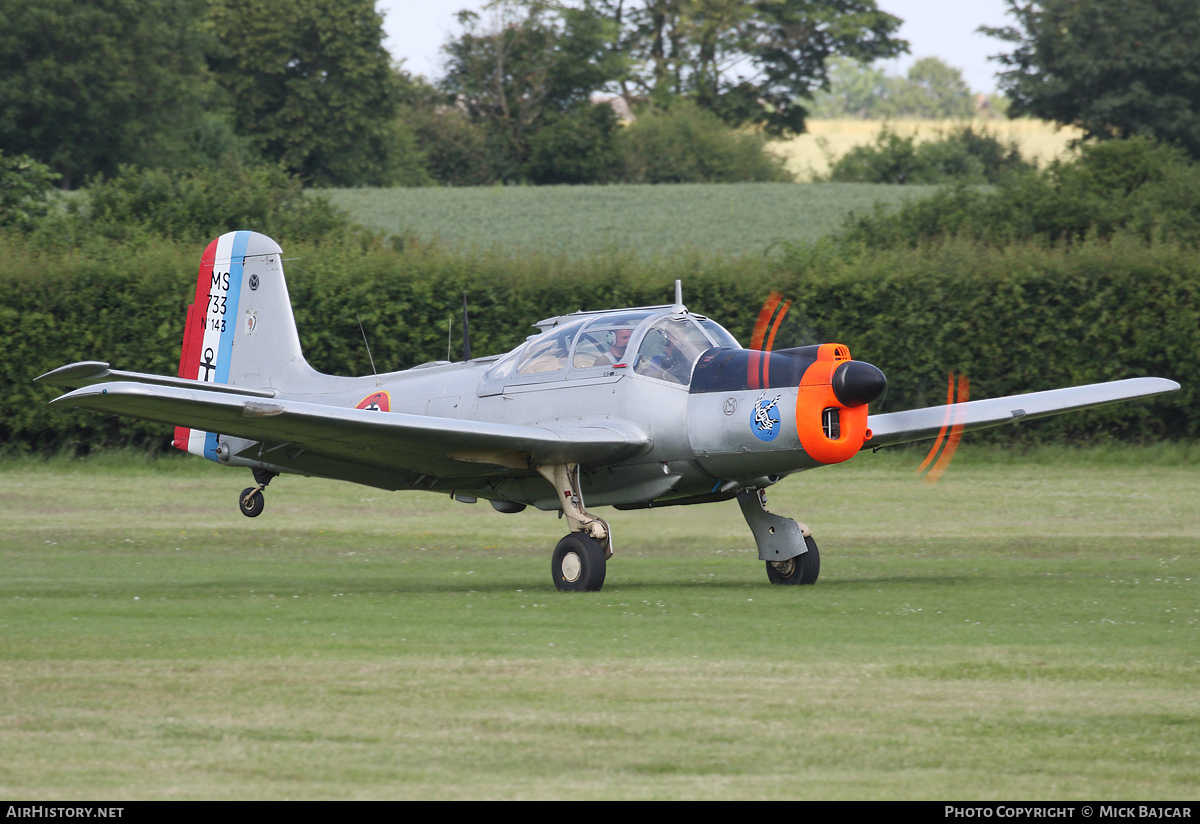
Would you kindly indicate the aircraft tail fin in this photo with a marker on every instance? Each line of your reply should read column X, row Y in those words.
column 240, row 329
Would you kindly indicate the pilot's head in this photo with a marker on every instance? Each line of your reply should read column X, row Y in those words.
column 621, row 340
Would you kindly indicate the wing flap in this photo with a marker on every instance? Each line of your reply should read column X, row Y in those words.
column 918, row 424
column 434, row 446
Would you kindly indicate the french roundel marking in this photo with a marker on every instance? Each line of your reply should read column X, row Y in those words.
column 378, row 402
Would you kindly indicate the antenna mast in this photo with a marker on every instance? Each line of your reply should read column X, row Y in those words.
column 466, row 332
column 366, row 344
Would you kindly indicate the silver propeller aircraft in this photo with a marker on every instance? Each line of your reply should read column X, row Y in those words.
column 633, row 408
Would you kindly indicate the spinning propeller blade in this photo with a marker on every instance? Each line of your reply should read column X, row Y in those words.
column 950, row 434
column 761, row 339
column 758, row 367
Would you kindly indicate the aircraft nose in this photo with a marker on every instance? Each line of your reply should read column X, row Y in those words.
column 856, row 383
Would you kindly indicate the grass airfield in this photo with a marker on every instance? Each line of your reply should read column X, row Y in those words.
column 1028, row 628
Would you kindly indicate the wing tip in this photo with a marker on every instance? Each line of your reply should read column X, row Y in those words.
column 74, row 373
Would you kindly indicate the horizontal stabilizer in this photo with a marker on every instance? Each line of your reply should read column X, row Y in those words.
column 438, row 447
column 88, row 373
column 919, row 424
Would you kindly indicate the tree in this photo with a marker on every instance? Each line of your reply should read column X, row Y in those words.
column 312, row 87
column 197, row 205
column 960, row 155
column 1113, row 68
column 453, row 147
column 687, row 144
column 931, row 89
column 579, row 146
column 533, row 63
column 25, row 188
column 1136, row 187
column 748, row 61
column 86, row 87
column 855, row 90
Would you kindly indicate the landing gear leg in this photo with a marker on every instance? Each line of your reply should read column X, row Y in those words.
column 787, row 547
column 580, row 559
column 251, row 502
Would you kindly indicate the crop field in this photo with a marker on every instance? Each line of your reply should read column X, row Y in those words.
column 731, row 218
column 739, row 218
column 1028, row 628
column 808, row 154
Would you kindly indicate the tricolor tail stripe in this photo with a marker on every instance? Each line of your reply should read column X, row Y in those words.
column 211, row 321
column 233, row 292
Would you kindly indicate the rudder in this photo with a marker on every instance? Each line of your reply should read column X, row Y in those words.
column 240, row 329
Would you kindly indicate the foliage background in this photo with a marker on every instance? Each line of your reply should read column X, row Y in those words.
column 1111, row 68
column 1026, row 317
column 1083, row 272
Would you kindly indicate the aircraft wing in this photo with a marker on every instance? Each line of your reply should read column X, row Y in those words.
column 918, row 424
column 437, row 447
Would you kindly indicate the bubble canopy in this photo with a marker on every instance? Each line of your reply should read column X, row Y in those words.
column 655, row 343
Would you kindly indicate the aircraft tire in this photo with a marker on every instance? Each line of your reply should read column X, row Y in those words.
column 578, row 564
column 251, row 502
column 803, row 569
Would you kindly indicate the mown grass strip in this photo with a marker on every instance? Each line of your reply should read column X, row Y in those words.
column 1026, row 628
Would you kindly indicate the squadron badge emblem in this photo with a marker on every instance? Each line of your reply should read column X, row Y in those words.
column 764, row 418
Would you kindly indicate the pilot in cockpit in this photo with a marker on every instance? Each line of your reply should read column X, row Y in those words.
column 669, row 350
column 616, row 352
column 672, row 363
column 603, row 348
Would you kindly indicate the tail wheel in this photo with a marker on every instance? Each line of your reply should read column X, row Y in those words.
column 803, row 569
column 578, row 564
column 251, row 502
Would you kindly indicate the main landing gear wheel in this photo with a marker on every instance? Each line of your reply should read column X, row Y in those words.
column 803, row 569
column 578, row 564
column 251, row 502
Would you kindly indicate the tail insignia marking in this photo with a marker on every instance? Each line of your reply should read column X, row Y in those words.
column 208, row 340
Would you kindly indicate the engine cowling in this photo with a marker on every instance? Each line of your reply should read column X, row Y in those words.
column 831, row 407
column 830, row 412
